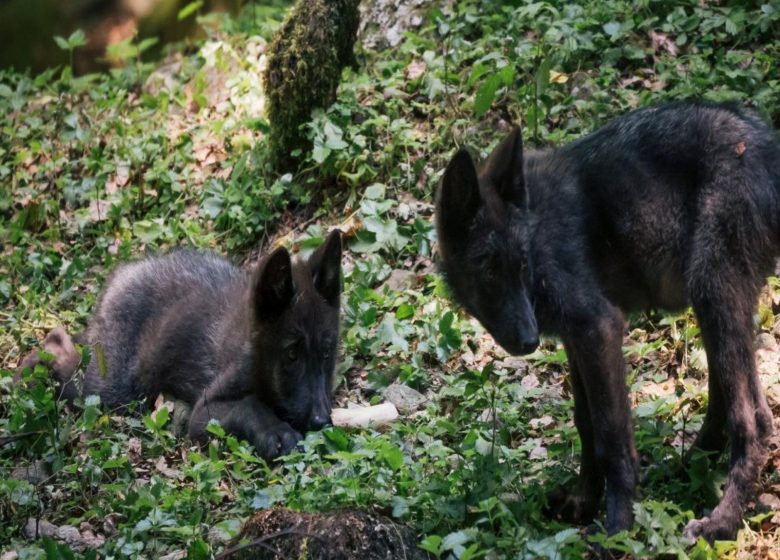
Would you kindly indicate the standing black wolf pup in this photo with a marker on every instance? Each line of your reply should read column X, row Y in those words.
column 664, row 207
column 254, row 351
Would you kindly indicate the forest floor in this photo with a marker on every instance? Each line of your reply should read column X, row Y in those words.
column 102, row 168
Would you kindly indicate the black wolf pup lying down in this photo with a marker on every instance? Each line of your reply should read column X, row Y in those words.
column 664, row 207
column 255, row 351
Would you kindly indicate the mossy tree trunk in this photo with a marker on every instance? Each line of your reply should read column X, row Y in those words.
column 305, row 60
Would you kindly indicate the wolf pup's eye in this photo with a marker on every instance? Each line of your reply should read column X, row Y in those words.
column 325, row 355
column 292, row 354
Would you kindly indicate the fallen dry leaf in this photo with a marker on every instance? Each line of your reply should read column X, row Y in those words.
column 661, row 42
column 168, row 472
column 415, row 70
column 558, row 77
column 98, row 209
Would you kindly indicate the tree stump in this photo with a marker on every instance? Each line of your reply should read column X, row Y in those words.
column 305, row 60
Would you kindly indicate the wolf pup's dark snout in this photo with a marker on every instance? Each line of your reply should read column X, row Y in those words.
column 528, row 345
column 319, row 421
column 255, row 351
column 662, row 208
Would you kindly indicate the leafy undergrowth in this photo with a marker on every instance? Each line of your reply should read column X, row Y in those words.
column 102, row 168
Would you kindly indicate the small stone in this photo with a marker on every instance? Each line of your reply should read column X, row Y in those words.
column 35, row 529
column 36, row 473
column 770, row 502
column 539, row 452
column 766, row 341
column 70, row 535
column 529, row 381
column 162, row 466
column 89, row 537
column 511, row 498
column 542, row 423
column 400, row 279
column 487, row 416
column 514, row 362
column 773, row 394
column 391, row 93
column 405, row 399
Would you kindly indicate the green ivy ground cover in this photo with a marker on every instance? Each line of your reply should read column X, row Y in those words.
column 98, row 169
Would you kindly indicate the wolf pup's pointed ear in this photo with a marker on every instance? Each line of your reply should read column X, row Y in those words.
column 325, row 266
column 504, row 168
column 274, row 284
column 458, row 199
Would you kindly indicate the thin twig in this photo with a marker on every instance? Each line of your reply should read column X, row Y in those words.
column 260, row 541
column 8, row 439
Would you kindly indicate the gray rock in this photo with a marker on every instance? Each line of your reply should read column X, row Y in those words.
column 770, row 502
column 487, row 416
column 35, row 528
column 35, row 474
column 405, row 399
column 455, row 461
column 766, row 341
column 530, row 381
column 400, row 279
column 70, row 535
column 391, row 92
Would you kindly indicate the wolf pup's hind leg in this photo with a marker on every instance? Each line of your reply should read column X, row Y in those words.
column 727, row 330
column 724, row 280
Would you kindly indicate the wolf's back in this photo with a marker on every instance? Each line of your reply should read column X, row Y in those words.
column 682, row 151
column 153, row 318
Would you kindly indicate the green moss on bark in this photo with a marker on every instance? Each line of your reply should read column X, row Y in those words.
column 305, row 60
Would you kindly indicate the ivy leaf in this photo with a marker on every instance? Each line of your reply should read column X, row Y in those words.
column 189, row 9
column 612, row 29
column 486, row 94
column 432, row 544
column 393, row 456
column 75, row 40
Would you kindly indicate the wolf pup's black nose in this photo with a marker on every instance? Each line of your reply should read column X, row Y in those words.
column 529, row 345
column 319, row 421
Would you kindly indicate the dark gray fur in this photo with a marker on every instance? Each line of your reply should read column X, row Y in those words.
column 255, row 351
column 665, row 207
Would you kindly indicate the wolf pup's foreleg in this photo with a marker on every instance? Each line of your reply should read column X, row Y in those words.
column 602, row 415
column 581, row 504
column 248, row 418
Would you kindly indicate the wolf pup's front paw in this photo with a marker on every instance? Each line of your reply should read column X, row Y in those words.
column 276, row 440
column 573, row 506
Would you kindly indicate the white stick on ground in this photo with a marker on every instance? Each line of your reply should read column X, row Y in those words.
column 374, row 416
